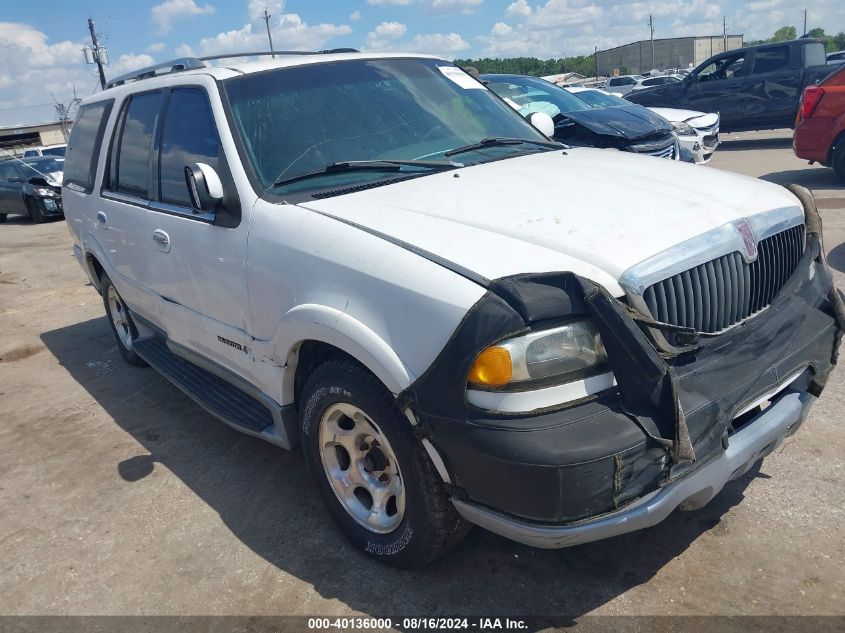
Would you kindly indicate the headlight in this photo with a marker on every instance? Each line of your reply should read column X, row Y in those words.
column 44, row 192
column 556, row 355
column 684, row 129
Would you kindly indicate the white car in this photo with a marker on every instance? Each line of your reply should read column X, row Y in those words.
column 697, row 132
column 436, row 303
column 651, row 82
column 623, row 84
column 57, row 151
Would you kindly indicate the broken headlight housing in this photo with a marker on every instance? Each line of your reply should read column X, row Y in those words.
column 552, row 356
column 683, row 129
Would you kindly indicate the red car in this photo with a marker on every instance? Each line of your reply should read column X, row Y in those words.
column 820, row 126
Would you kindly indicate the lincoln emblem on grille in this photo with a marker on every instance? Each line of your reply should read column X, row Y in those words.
column 744, row 229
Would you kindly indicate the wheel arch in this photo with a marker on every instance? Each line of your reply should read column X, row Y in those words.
column 313, row 333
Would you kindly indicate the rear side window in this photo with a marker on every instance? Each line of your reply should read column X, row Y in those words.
column 769, row 60
column 131, row 171
column 189, row 136
column 83, row 148
column 814, row 54
column 7, row 171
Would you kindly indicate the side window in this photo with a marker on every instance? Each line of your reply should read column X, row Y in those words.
column 814, row 54
column 83, row 148
column 768, row 60
column 725, row 68
column 132, row 158
column 189, row 136
column 6, row 172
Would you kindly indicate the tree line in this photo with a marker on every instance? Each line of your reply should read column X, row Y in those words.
column 586, row 64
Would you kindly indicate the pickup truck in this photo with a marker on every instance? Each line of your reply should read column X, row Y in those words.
column 752, row 88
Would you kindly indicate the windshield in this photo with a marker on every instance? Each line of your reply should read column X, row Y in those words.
column 297, row 120
column 54, row 151
column 599, row 99
column 534, row 95
column 44, row 166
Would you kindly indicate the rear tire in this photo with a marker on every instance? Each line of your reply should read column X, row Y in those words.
column 120, row 320
column 35, row 211
column 837, row 160
column 2, row 218
column 372, row 472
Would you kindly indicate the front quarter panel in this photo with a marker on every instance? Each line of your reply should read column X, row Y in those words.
column 314, row 277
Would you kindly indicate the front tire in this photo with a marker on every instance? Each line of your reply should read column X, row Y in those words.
column 34, row 211
column 372, row 472
column 120, row 320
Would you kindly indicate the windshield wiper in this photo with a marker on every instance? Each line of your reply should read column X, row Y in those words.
column 498, row 141
column 369, row 165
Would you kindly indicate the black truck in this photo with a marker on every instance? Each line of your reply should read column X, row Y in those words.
column 752, row 88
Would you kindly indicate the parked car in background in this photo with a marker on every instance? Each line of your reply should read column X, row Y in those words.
column 836, row 58
column 651, row 82
column 752, row 88
column 820, row 127
column 629, row 128
column 31, row 186
column 46, row 150
column 622, row 84
column 698, row 132
column 456, row 320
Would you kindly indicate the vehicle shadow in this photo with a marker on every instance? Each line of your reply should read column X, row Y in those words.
column 264, row 496
column 813, row 178
column 743, row 144
column 836, row 258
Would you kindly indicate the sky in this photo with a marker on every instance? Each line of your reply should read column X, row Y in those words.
column 41, row 60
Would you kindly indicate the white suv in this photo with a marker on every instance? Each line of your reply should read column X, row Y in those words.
column 376, row 258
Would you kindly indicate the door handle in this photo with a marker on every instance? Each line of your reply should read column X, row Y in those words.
column 101, row 218
column 162, row 239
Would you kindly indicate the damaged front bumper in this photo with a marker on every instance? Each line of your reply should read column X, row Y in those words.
column 755, row 440
column 690, row 411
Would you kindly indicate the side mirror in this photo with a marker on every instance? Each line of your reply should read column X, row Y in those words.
column 15, row 179
column 543, row 122
column 204, row 187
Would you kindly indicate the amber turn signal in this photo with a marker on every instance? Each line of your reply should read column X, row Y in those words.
column 492, row 368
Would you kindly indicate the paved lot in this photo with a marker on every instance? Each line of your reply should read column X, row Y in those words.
column 120, row 496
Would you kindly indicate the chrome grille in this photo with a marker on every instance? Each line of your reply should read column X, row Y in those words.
column 723, row 291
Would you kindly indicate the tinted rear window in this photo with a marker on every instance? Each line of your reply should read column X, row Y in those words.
column 83, row 148
column 132, row 167
column 767, row 60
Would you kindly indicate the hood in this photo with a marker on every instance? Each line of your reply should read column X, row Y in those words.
column 594, row 212
column 694, row 118
column 628, row 122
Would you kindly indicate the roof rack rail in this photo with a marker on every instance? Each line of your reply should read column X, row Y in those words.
column 173, row 66
column 192, row 63
column 281, row 53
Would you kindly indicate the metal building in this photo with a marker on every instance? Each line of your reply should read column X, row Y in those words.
column 16, row 138
column 675, row 52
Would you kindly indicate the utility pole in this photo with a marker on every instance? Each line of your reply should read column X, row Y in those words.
column 267, row 17
column 651, row 29
column 805, row 21
column 596, row 59
column 96, row 51
column 724, row 34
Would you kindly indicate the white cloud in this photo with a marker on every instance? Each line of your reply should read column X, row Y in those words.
column 387, row 37
column 256, row 8
column 377, row 3
column 155, row 47
column 381, row 36
column 165, row 13
column 129, row 61
column 519, row 8
column 290, row 32
column 355, row 15
column 183, row 50
column 446, row 7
